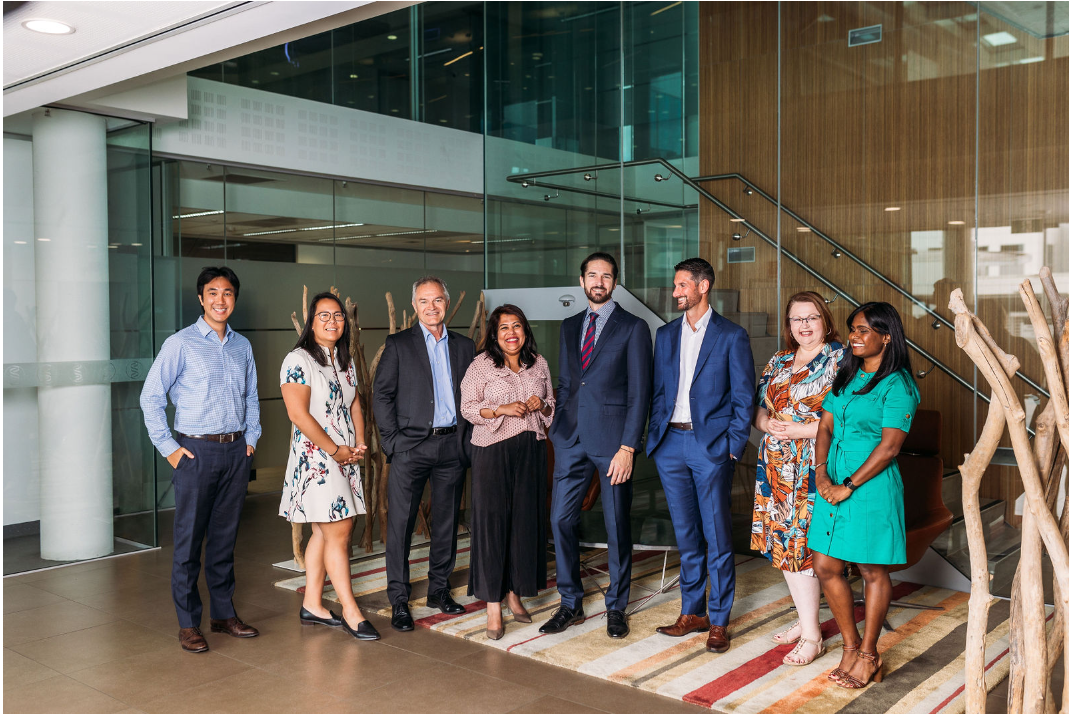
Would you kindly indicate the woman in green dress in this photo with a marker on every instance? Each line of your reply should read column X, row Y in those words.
column 859, row 508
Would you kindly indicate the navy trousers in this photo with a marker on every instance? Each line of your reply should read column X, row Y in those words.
column 210, row 490
column 572, row 474
column 697, row 493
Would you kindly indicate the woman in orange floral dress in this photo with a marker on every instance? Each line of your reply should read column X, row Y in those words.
column 790, row 396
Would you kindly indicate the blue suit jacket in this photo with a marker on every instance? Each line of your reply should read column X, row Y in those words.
column 722, row 393
column 606, row 405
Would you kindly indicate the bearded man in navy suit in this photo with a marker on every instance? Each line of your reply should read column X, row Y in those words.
column 704, row 387
column 604, row 390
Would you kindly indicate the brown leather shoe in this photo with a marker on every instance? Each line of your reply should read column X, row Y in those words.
column 192, row 641
column 685, row 624
column 233, row 626
column 718, row 639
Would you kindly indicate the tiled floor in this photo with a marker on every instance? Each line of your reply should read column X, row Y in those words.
column 101, row 637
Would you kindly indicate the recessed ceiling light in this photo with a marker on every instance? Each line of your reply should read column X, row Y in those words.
column 392, row 37
column 997, row 39
column 48, row 27
column 737, row 220
column 956, row 223
column 135, row 244
column 892, row 208
column 21, row 243
column 46, row 240
column 803, row 229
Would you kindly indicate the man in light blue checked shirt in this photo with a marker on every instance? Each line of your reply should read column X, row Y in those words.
column 207, row 370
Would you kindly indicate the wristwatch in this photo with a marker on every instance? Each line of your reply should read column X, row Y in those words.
column 848, row 483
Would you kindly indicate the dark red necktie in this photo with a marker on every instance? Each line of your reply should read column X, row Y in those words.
column 589, row 344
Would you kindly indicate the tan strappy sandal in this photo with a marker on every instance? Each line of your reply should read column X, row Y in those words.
column 852, row 683
column 796, row 651
column 782, row 637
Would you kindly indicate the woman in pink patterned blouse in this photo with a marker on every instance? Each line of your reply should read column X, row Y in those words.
column 508, row 398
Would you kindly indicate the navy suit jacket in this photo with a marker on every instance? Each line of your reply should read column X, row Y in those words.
column 722, row 393
column 606, row 405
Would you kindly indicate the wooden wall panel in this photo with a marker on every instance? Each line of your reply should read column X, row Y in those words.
column 891, row 124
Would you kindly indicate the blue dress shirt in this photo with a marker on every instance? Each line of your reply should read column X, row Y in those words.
column 212, row 384
column 601, row 316
column 439, row 354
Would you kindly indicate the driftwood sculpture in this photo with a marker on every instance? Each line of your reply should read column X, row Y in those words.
column 374, row 468
column 1042, row 467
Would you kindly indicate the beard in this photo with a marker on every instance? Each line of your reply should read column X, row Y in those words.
column 598, row 299
column 689, row 303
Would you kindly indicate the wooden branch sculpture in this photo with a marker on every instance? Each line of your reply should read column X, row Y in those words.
column 1041, row 467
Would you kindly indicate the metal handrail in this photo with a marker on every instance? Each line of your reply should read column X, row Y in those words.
column 532, row 179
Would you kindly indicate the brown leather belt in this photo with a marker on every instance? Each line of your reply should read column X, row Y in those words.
column 681, row 425
column 444, row 430
column 221, row 438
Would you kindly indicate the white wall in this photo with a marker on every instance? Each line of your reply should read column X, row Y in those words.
column 249, row 126
column 21, row 484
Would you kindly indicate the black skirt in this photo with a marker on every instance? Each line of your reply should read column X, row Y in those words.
column 508, row 536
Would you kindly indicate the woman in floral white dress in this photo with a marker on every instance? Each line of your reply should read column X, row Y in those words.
column 322, row 481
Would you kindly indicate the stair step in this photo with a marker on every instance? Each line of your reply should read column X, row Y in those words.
column 955, row 537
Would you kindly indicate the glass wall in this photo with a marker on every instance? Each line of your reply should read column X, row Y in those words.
column 128, row 217
column 284, row 232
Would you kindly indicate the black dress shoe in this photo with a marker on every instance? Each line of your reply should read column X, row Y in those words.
column 616, row 624
column 442, row 601
column 308, row 618
column 400, row 617
column 562, row 619
column 364, row 631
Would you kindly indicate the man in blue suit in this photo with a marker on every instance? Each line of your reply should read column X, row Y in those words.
column 704, row 384
column 604, row 391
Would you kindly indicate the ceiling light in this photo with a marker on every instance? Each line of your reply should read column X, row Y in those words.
column 803, row 229
column 113, row 245
column 997, row 39
column 956, row 223
column 48, row 27
column 21, row 243
column 45, row 240
column 663, row 9
column 1030, row 60
column 306, row 228
column 459, row 57
column 353, row 76
column 737, row 220
column 892, row 208
column 135, row 244
column 392, row 37
column 197, row 214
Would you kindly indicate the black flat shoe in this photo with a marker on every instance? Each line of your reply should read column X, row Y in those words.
column 616, row 624
column 308, row 618
column 364, row 631
column 562, row 619
column 446, row 604
column 400, row 617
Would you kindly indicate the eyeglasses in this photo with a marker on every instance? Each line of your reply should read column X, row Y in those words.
column 326, row 317
column 806, row 319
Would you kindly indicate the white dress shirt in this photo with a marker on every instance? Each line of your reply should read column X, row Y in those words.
column 691, row 341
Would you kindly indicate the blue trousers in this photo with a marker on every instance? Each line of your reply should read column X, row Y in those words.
column 209, row 494
column 697, row 493
column 573, row 468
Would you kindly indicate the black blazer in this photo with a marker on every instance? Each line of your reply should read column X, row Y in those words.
column 404, row 402
column 606, row 405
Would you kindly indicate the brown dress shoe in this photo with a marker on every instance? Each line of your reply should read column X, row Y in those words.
column 718, row 639
column 233, row 626
column 685, row 624
column 192, row 641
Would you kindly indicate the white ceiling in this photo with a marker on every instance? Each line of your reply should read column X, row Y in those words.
column 99, row 27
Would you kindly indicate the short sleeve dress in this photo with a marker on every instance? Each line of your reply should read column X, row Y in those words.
column 317, row 488
column 784, row 483
column 868, row 526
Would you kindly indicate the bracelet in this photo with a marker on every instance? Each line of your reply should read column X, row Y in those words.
column 337, row 447
column 822, row 464
column 630, row 450
column 494, row 412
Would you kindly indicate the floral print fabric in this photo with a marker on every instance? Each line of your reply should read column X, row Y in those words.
column 784, row 486
column 316, row 487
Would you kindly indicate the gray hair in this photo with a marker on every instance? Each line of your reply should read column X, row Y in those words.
column 430, row 279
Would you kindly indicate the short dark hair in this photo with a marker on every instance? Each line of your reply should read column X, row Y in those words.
column 699, row 269
column 210, row 273
column 599, row 256
column 307, row 339
column 829, row 329
column 529, row 351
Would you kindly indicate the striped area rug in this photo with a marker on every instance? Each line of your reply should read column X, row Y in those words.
column 923, row 656
column 370, row 575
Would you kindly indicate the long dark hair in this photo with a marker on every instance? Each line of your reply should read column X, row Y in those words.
column 883, row 320
column 529, row 351
column 308, row 343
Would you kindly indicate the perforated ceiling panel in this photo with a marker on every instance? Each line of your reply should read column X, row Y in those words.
column 99, row 27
